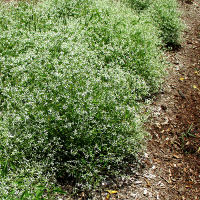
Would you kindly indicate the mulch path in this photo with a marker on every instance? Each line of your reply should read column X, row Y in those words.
column 175, row 125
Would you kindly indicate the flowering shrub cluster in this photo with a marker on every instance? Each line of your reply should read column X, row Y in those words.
column 73, row 78
column 164, row 15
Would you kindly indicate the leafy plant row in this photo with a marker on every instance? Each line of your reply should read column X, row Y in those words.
column 72, row 78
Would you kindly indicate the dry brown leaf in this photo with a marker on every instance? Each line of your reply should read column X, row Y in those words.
column 148, row 182
column 170, row 175
column 176, row 156
column 157, row 161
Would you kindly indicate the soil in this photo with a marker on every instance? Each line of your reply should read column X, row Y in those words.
column 175, row 123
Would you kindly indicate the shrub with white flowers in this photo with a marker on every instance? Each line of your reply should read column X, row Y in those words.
column 73, row 76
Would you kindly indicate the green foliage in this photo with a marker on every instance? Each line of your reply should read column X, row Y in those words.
column 186, row 135
column 72, row 76
column 139, row 4
column 166, row 17
column 164, row 14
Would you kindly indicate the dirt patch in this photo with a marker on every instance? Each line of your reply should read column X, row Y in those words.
column 175, row 124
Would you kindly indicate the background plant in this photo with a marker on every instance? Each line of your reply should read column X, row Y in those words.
column 165, row 15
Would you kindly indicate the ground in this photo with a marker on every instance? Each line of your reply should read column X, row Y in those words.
column 172, row 160
column 175, row 125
